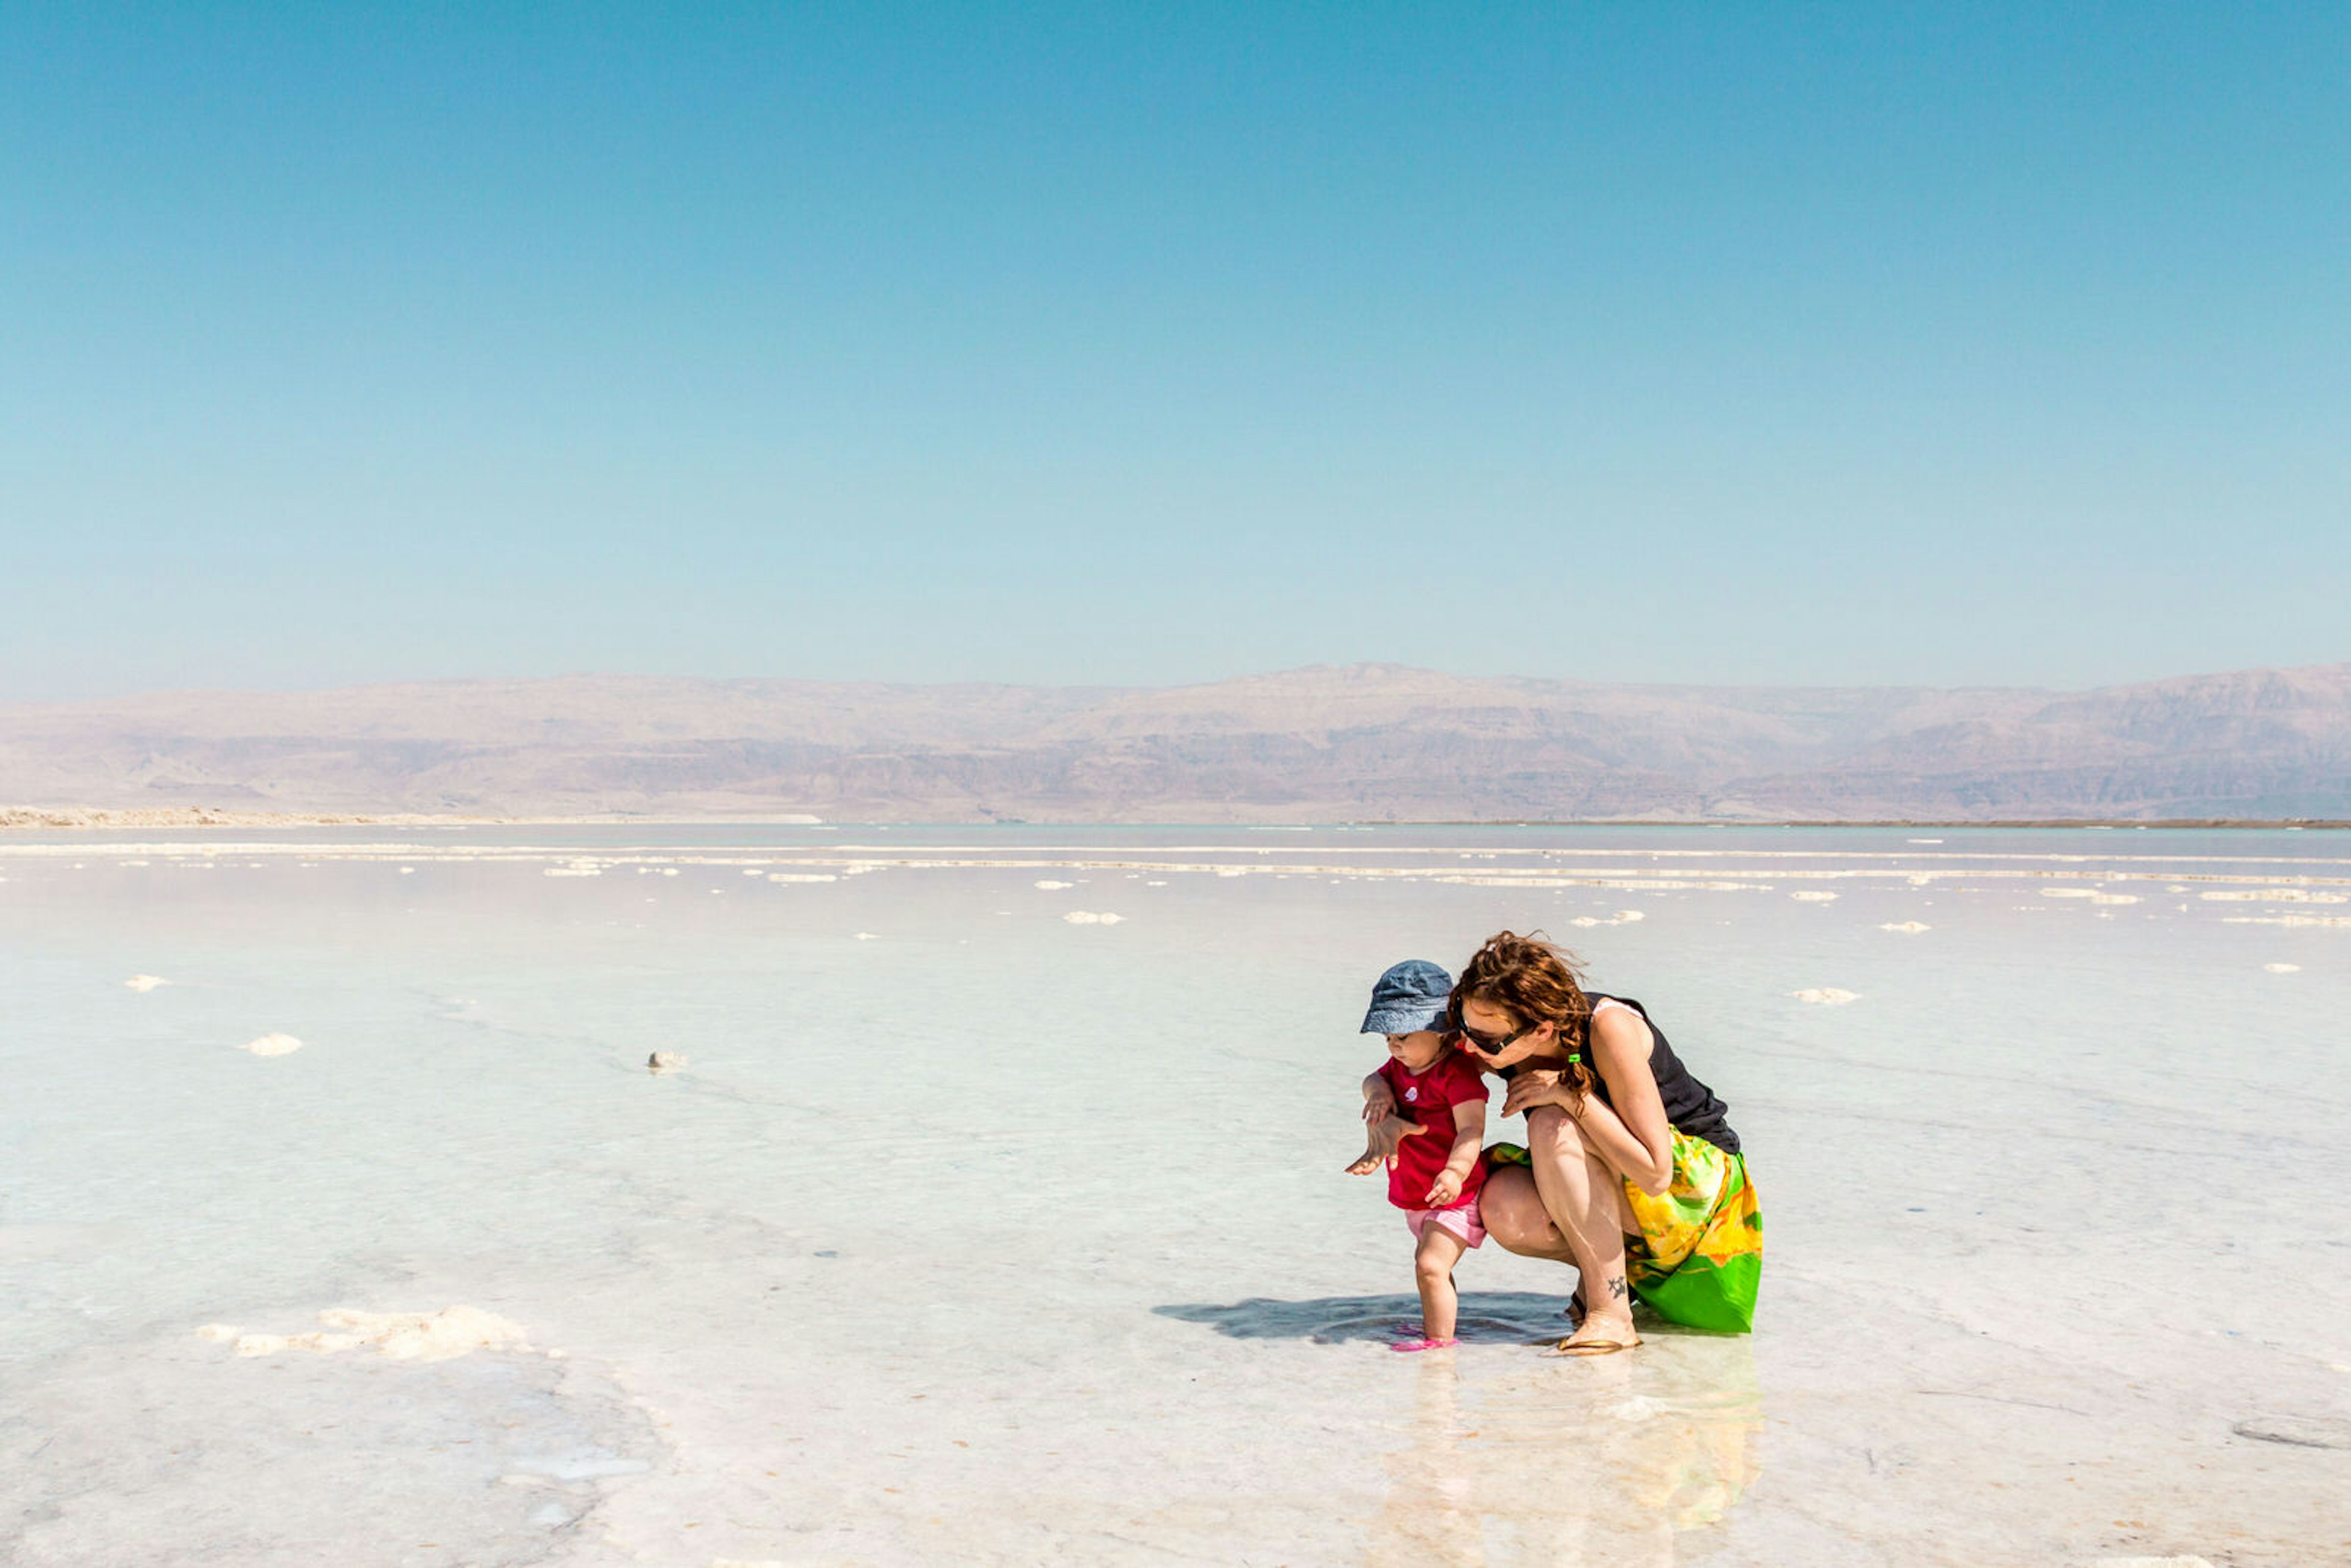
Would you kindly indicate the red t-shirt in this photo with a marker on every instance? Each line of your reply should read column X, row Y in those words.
column 1429, row 1098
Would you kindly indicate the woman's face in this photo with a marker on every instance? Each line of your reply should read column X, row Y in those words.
column 1495, row 1036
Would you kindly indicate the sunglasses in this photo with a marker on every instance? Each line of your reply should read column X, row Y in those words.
column 1488, row 1045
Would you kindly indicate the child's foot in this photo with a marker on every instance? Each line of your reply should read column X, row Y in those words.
column 1414, row 1346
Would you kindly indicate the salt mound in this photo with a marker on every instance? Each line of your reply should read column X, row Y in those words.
column 145, row 982
column 402, row 1336
column 798, row 876
column 2069, row 893
column 2282, row 969
column 1810, row 897
column 1050, row 885
column 1088, row 917
column 272, row 1045
column 1622, row 917
column 1827, row 995
column 665, row 1061
column 1907, row 925
column 866, row 936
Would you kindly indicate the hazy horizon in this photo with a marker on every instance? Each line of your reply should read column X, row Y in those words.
column 917, row 682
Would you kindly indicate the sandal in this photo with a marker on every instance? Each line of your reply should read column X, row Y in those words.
column 1413, row 1346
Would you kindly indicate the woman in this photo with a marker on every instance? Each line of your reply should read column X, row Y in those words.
column 1633, row 1174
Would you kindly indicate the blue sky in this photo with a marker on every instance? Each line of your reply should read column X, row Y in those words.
column 1153, row 344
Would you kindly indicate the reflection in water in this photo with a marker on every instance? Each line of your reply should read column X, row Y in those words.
column 1613, row 1460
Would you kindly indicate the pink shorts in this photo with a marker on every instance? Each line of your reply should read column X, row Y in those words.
column 1461, row 1220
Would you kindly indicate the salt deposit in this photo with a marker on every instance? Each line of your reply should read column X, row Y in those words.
column 145, row 982
column 2282, row 969
column 2285, row 919
column 1050, row 885
column 2274, row 895
column 1827, row 995
column 665, row 1061
column 1813, row 895
column 272, row 1045
column 399, row 1336
column 1905, row 925
column 1089, row 917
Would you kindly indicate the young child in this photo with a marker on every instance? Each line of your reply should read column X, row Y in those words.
column 1432, row 1144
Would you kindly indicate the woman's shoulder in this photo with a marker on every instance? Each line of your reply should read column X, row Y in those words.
column 1616, row 1020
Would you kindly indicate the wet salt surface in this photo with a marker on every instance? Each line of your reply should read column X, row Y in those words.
column 1005, row 1237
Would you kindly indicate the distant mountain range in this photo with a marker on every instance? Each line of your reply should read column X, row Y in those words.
column 1364, row 743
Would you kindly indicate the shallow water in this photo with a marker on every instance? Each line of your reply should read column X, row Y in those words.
column 971, row 1233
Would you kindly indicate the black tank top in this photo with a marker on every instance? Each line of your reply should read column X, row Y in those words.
column 1690, row 1106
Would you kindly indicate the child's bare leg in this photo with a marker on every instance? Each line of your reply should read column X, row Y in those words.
column 1380, row 1145
column 1433, row 1262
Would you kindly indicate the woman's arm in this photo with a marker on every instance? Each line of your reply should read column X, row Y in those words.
column 1633, row 1136
column 1631, row 1130
column 1469, row 1142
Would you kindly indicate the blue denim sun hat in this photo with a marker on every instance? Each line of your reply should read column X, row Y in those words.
column 1411, row 996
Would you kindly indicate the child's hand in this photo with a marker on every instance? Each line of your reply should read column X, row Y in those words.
column 1443, row 1191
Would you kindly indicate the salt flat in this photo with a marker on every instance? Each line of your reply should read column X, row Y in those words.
column 971, row 1231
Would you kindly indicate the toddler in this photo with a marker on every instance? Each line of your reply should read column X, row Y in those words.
column 1431, row 1143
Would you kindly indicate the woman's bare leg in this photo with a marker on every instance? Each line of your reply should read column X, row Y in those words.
column 1512, row 1212
column 1582, row 1196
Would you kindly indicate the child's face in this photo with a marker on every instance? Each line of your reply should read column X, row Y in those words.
column 1417, row 1052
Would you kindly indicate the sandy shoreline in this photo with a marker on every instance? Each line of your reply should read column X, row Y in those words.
column 67, row 818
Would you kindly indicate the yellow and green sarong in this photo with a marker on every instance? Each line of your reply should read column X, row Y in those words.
column 1699, row 1257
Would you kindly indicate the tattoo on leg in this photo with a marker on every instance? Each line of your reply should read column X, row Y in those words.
column 1616, row 1287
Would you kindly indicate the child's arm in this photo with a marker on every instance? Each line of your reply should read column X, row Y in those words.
column 1469, row 1139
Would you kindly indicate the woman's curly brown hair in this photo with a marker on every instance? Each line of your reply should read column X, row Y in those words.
column 1538, row 981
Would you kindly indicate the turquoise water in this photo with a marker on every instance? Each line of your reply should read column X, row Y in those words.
column 971, row 1232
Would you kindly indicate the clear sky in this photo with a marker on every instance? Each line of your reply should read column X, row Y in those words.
column 1864, row 343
